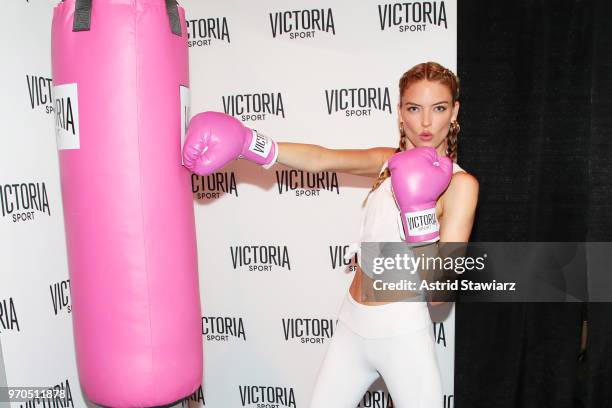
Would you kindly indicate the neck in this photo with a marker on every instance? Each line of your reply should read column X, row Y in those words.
column 441, row 148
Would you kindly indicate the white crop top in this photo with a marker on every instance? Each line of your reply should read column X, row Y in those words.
column 381, row 220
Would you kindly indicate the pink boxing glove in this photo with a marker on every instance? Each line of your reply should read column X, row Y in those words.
column 213, row 139
column 418, row 177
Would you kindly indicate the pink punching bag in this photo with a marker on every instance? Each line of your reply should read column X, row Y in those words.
column 121, row 77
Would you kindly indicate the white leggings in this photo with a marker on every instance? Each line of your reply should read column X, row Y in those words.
column 394, row 341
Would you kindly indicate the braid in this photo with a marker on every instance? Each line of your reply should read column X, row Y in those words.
column 451, row 141
column 386, row 173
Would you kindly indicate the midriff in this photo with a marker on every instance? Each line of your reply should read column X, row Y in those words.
column 362, row 290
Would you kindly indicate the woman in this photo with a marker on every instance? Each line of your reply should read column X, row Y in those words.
column 388, row 338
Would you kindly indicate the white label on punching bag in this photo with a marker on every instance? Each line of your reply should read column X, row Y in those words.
column 66, row 106
column 185, row 114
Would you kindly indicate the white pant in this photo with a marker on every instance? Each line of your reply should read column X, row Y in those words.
column 395, row 342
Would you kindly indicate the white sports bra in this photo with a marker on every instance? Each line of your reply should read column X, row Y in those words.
column 381, row 220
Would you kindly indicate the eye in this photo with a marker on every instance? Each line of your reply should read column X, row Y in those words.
column 412, row 109
column 440, row 108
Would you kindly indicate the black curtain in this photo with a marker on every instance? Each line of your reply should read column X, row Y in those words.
column 536, row 114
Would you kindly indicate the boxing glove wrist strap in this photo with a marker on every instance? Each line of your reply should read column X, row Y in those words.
column 420, row 225
column 274, row 157
column 261, row 150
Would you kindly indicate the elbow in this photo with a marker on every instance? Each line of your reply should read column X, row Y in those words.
column 318, row 164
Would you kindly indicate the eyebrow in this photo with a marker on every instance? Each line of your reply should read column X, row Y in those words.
column 416, row 104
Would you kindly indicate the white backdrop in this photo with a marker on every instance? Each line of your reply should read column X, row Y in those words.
column 322, row 72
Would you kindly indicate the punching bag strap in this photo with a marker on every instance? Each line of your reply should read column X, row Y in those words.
column 173, row 16
column 82, row 16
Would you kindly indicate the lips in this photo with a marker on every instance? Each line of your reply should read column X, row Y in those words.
column 425, row 136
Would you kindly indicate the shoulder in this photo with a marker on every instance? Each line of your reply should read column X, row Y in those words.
column 463, row 180
column 379, row 156
column 385, row 153
column 462, row 190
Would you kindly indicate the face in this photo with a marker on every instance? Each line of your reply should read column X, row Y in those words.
column 425, row 112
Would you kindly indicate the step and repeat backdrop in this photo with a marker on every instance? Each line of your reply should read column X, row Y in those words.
column 271, row 243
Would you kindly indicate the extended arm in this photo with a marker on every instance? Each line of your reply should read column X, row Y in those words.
column 214, row 139
column 314, row 158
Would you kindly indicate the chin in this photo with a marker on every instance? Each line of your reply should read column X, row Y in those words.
column 420, row 143
column 432, row 143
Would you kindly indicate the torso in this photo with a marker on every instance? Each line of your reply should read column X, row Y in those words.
column 361, row 280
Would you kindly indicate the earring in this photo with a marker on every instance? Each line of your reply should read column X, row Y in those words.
column 401, row 129
column 454, row 127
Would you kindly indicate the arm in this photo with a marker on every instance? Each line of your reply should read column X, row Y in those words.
column 213, row 139
column 459, row 207
column 314, row 158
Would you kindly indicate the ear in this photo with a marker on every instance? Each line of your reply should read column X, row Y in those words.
column 455, row 110
column 399, row 111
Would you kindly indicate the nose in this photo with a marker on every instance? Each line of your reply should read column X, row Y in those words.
column 426, row 118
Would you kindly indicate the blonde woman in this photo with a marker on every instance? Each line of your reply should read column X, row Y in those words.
column 392, row 339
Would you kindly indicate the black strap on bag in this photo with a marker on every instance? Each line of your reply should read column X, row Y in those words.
column 173, row 16
column 82, row 16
